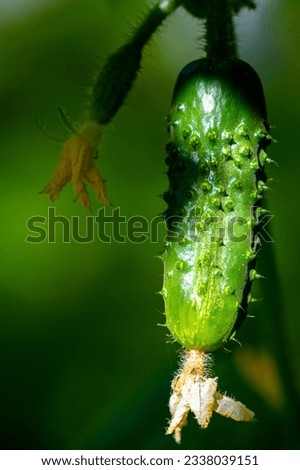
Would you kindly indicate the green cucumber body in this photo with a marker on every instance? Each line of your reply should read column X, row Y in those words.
column 216, row 157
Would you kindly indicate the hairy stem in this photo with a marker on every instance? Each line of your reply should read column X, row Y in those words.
column 220, row 34
column 120, row 70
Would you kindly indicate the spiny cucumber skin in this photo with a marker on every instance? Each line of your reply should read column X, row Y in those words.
column 216, row 156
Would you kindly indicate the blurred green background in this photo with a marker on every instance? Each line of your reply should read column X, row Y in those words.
column 84, row 364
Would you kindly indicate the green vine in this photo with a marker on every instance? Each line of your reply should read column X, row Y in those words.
column 111, row 88
column 233, row 144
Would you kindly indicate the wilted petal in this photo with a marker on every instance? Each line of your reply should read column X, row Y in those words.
column 230, row 408
column 94, row 178
column 202, row 400
column 60, row 177
column 77, row 164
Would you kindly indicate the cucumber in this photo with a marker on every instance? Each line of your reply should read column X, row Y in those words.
column 216, row 156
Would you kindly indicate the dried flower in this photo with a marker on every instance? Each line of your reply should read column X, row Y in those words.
column 77, row 165
column 194, row 391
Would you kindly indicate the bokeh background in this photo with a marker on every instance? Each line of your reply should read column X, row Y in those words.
column 84, row 364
